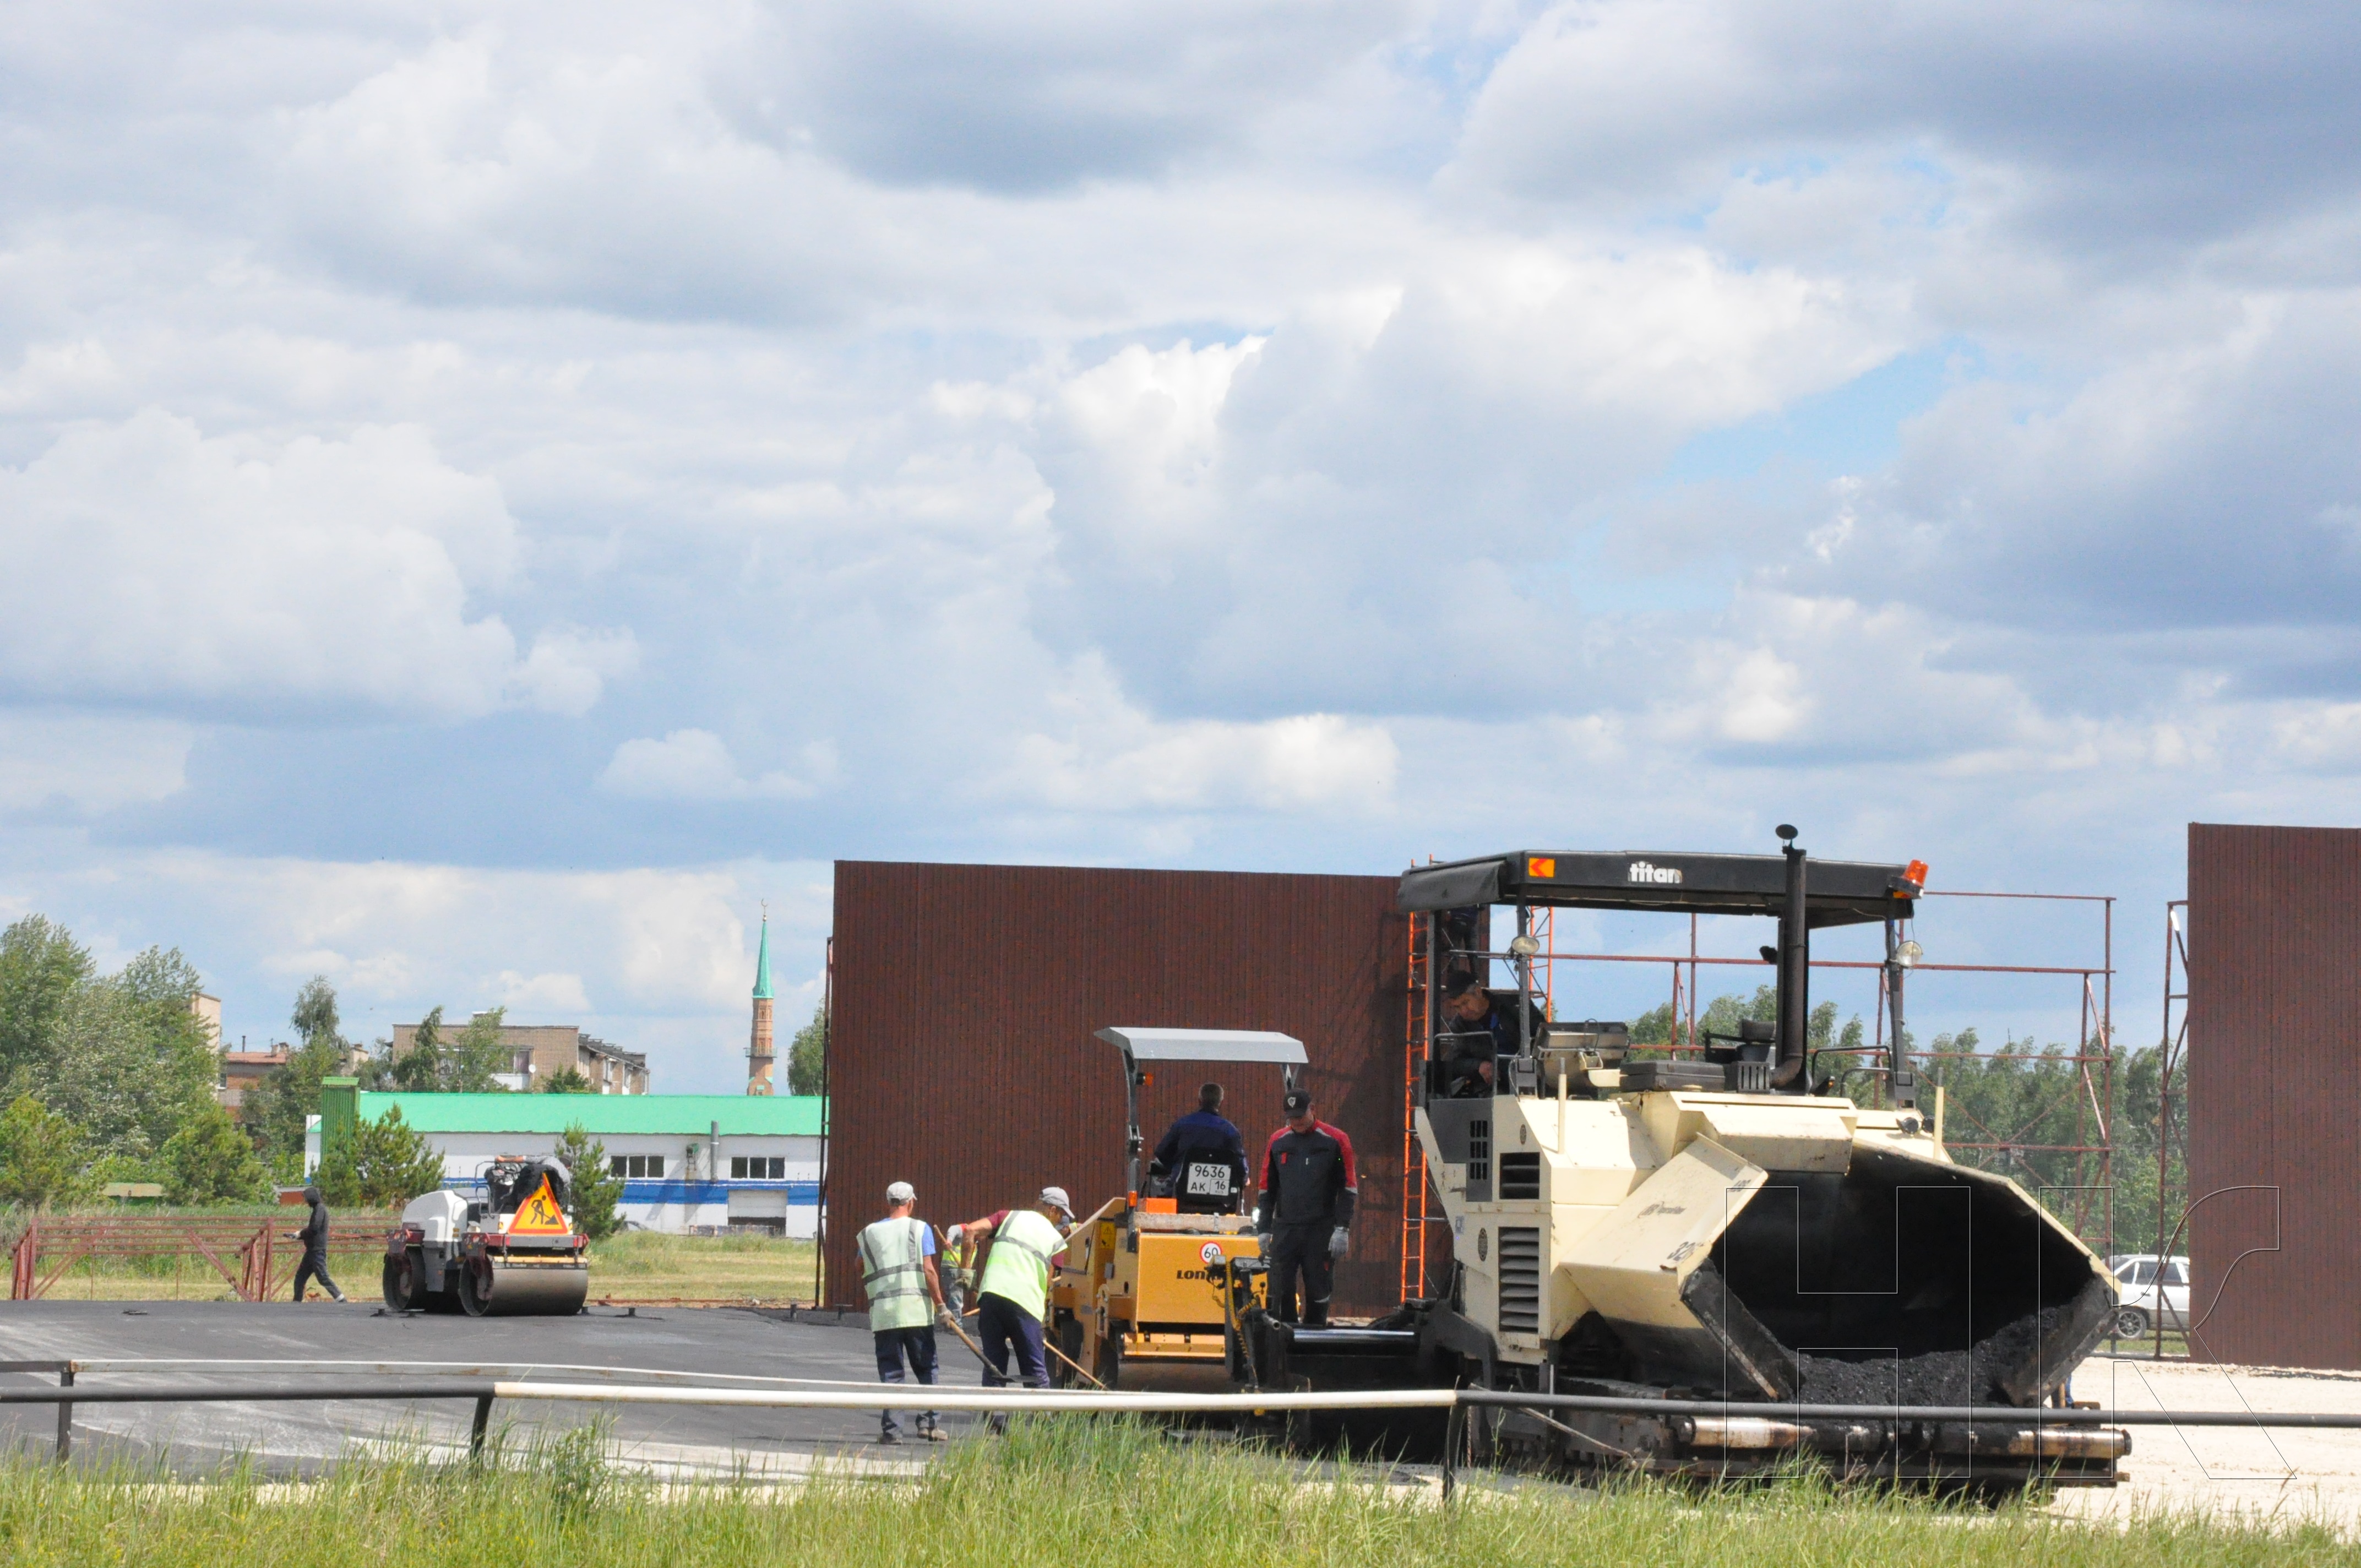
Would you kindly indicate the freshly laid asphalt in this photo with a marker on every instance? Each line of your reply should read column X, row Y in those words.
column 273, row 1341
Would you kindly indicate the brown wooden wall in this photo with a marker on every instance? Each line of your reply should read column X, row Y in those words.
column 961, row 1057
column 2274, row 1082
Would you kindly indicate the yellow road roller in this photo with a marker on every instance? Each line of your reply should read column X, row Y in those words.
column 1140, row 1297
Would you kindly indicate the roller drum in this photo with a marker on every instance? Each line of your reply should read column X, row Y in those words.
column 492, row 1288
column 1134, row 1376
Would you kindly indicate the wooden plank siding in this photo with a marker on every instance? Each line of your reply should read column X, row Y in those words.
column 2274, row 1083
column 962, row 1058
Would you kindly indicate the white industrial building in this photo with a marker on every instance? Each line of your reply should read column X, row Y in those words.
column 688, row 1161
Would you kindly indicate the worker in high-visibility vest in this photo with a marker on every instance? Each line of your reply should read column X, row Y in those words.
column 955, row 1262
column 905, row 1294
column 1013, row 1294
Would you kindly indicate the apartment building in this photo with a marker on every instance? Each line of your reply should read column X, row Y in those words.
column 535, row 1051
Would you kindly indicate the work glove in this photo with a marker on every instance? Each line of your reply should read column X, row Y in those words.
column 1339, row 1240
column 1262, row 1243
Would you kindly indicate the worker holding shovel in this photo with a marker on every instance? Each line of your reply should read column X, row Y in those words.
column 1013, row 1296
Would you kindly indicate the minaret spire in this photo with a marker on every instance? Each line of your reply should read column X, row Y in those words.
column 759, row 1052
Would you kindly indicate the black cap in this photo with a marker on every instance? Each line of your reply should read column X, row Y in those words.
column 1299, row 1101
column 1459, row 982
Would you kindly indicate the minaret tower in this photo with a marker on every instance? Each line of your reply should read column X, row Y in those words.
column 759, row 1052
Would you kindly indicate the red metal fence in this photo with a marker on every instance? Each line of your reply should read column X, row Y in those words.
column 252, row 1255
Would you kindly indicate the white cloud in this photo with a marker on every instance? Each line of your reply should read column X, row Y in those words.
column 1111, row 757
column 1221, row 437
column 568, row 670
column 151, row 564
column 695, row 764
column 2326, row 736
column 542, row 994
column 1063, row 92
column 1763, row 700
column 90, row 762
column 2164, row 120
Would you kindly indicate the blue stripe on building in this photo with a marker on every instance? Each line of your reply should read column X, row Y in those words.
column 800, row 1194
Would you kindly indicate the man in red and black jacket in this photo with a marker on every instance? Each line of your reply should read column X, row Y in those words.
column 1305, row 1217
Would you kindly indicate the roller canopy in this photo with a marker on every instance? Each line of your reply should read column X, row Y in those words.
column 1840, row 893
column 1206, row 1044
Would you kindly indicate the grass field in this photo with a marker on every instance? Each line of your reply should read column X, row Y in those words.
column 636, row 1265
column 647, row 1265
column 1072, row 1496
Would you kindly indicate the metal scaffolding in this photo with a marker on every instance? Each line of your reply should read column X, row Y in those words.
column 2023, row 1147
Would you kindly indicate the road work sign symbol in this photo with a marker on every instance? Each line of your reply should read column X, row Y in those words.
column 539, row 1215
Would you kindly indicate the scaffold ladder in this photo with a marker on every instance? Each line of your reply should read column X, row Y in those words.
column 1418, row 1012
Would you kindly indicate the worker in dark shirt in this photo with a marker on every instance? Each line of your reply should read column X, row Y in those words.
column 1474, row 1035
column 1202, row 1158
column 1304, row 1221
column 315, row 1237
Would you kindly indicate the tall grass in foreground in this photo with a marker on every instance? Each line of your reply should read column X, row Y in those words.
column 1048, row 1497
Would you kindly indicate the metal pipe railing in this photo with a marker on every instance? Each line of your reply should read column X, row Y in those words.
column 883, row 1396
column 1455, row 1402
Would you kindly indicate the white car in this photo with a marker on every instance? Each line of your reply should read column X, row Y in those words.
column 2146, row 1298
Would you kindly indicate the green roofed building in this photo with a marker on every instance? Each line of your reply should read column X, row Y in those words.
column 687, row 1160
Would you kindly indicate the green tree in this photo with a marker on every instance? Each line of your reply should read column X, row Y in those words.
column 807, row 1056
column 289, row 1095
column 421, row 1066
column 161, row 978
column 568, row 1080
column 209, row 1160
column 2137, row 1126
column 128, row 1061
column 1721, row 1016
column 45, row 1159
column 462, row 1064
column 472, row 1061
column 384, row 1164
column 315, row 1017
column 41, row 967
column 1653, row 1027
column 372, row 1065
column 597, row 1189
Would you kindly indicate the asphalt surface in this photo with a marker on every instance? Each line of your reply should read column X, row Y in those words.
column 274, row 1341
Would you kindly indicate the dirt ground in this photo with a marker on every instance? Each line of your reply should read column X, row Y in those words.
column 2253, row 1470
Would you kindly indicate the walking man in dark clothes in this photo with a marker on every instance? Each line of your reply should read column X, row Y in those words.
column 315, row 1237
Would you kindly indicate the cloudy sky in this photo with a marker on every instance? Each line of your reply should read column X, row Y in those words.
column 494, row 492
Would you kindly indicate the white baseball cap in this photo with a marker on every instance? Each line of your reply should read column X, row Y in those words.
column 1056, row 1195
column 901, row 1192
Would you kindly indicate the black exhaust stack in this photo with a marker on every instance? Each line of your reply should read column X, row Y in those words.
column 1795, row 975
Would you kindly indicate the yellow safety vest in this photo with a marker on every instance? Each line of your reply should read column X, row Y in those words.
column 1018, row 1266
column 894, row 1274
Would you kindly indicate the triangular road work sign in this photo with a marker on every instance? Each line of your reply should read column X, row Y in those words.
column 539, row 1215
